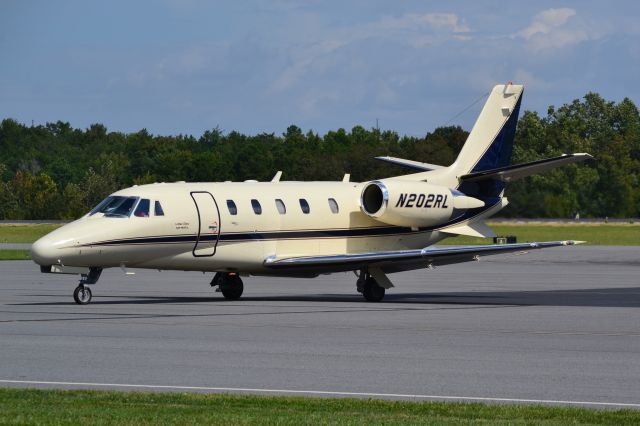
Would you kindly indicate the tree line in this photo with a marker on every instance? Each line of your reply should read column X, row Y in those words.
column 55, row 171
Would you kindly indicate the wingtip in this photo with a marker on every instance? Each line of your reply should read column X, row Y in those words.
column 573, row 242
column 586, row 155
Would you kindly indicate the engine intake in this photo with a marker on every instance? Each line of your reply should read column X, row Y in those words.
column 374, row 197
column 413, row 204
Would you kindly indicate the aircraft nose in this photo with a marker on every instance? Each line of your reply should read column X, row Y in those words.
column 43, row 252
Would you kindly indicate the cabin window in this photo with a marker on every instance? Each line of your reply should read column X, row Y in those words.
column 333, row 205
column 282, row 209
column 231, row 205
column 257, row 208
column 143, row 208
column 304, row 206
column 157, row 209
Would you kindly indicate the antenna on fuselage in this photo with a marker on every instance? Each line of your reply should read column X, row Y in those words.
column 276, row 178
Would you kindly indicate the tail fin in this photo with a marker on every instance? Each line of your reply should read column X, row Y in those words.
column 490, row 142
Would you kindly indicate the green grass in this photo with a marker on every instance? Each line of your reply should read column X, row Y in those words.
column 15, row 255
column 596, row 234
column 29, row 406
column 24, row 233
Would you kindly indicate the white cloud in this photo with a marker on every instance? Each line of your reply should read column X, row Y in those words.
column 412, row 29
column 549, row 30
column 413, row 21
column 546, row 21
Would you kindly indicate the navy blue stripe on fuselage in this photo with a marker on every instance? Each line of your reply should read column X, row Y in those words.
column 290, row 235
column 264, row 236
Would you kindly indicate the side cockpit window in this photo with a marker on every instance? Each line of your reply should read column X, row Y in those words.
column 143, row 208
column 115, row 206
column 157, row 209
column 100, row 208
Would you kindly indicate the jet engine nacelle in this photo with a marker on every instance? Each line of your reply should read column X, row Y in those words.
column 413, row 204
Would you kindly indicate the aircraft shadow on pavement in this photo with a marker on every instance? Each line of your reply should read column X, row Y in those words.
column 622, row 297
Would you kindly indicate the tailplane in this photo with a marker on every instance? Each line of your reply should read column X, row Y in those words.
column 483, row 166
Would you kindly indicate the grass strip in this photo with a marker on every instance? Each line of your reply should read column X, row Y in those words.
column 15, row 255
column 31, row 406
column 593, row 234
column 27, row 233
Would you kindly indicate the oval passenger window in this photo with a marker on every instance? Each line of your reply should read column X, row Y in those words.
column 257, row 209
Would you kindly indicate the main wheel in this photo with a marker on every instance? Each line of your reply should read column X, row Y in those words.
column 372, row 292
column 231, row 287
column 82, row 295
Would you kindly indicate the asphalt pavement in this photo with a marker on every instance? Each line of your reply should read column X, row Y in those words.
column 560, row 325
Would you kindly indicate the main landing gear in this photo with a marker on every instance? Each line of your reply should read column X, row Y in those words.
column 369, row 287
column 82, row 293
column 229, row 284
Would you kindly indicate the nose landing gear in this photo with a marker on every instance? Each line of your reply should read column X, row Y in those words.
column 229, row 284
column 82, row 293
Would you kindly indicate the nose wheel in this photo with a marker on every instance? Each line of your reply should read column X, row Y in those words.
column 82, row 295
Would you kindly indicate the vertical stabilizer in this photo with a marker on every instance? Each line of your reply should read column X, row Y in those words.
column 490, row 142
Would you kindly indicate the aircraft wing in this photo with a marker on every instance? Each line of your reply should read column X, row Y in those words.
column 402, row 260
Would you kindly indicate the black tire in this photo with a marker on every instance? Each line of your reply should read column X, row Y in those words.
column 231, row 287
column 372, row 292
column 82, row 295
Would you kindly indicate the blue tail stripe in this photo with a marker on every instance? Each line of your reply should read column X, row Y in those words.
column 499, row 153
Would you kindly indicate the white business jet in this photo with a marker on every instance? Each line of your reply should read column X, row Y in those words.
column 304, row 229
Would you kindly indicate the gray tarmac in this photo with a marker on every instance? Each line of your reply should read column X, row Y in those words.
column 15, row 246
column 556, row 325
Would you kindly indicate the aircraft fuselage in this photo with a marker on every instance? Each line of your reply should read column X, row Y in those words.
column 230, row 226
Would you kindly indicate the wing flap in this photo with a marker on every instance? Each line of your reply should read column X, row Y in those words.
column 429, row 256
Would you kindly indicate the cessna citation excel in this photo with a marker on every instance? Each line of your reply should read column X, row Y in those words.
column 305, row 229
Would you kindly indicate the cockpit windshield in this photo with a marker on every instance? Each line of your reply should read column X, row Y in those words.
column 115, row 206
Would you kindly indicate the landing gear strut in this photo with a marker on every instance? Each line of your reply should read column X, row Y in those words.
column 369, row 287
column 82, row 293
column 229, row 284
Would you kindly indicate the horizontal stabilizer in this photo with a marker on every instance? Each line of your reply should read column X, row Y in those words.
column 477, row 229
column 410, row 164
column 518, row 171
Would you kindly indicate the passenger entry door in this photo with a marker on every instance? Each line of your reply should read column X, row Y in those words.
column 208, row 224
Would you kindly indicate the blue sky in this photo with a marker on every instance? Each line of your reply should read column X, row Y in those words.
column 184, row 66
